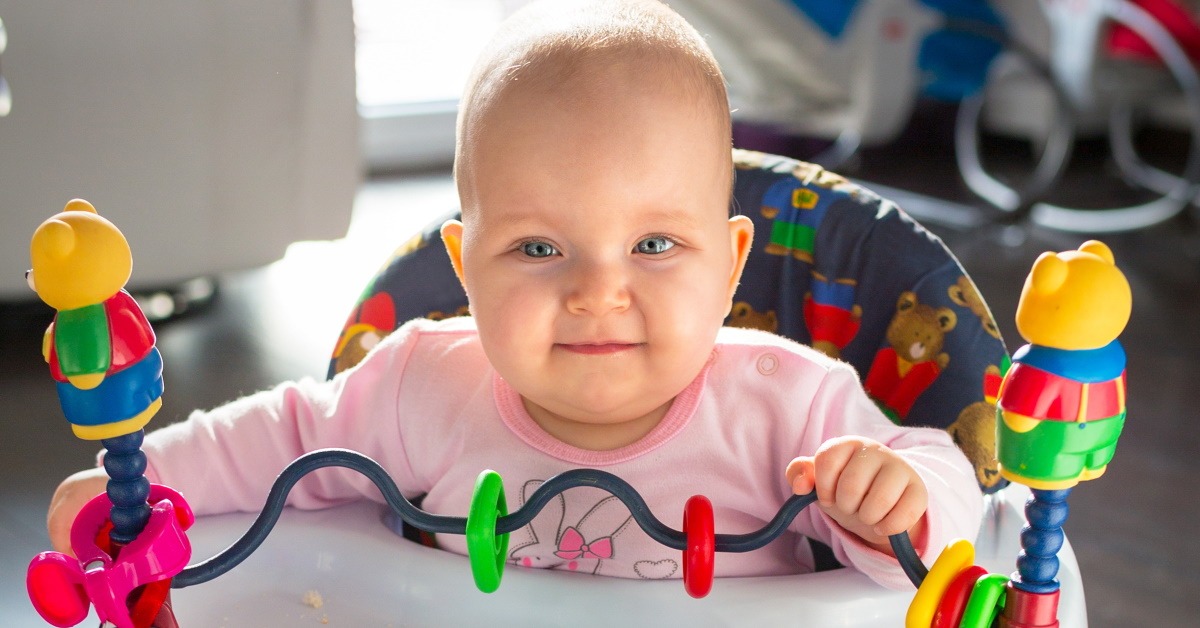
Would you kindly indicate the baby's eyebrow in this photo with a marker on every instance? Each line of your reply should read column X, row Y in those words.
column 681, row 218
column 512, row 220
column 685, row 219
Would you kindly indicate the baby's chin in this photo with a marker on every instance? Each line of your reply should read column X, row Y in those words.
column 601, row 412
column 598, row 426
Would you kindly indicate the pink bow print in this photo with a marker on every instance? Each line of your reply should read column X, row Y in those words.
column 572, row 546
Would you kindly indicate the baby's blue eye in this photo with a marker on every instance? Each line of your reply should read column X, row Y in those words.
column 538, row 249
column 654, row 245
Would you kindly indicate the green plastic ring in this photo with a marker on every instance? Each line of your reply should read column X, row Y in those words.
column 987, row 598
column 487, row 551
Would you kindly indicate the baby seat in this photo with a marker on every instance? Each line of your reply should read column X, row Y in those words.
column 833, row 265
column 1107, row 60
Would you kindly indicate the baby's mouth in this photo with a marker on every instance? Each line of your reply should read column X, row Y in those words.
column 599, row 348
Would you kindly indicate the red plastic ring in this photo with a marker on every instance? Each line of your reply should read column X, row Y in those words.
column 698, row 556
column 950, row 608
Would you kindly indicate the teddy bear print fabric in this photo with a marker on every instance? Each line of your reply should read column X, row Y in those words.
column 869, row 285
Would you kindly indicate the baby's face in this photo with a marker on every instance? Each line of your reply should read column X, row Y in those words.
column 597, row 251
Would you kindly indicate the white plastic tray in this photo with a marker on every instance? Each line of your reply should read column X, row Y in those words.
column 365, row 575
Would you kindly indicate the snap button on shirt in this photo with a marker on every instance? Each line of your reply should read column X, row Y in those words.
column 767, row 363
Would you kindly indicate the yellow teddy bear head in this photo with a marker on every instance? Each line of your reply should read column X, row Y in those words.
column 1075, row 299
column 78, row 258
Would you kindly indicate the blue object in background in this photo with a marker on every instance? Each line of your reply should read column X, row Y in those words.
column 954, row 64
column 831, row 16
column 974, row 10
column 954, row 59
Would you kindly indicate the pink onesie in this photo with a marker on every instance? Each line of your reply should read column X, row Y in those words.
column 427, row 405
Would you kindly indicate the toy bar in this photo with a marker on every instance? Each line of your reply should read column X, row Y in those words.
column 108, row 374
column 1060, row 411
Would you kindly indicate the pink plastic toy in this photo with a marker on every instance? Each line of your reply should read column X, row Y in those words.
column 61, row 587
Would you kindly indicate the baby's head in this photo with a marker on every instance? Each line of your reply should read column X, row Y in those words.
column 594, row 170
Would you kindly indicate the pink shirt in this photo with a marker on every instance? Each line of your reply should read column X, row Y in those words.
column 428, row 406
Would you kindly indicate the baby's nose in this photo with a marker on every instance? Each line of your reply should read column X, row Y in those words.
column 599, row 288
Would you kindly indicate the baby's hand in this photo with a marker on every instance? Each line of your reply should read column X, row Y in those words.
column 71, row 496
column 864, row 486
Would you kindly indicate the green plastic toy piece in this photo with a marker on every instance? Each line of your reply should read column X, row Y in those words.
column 486, row 550
column 987, row 598
column 81, row 339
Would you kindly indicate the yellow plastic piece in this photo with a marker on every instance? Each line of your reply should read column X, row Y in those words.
column 120, row 428
column 957, row 556
column 1075, row 299
column 47, row 342
column 78, row 258
column 1018, row 422
column 1091, row 474
column 1046, row 485
column 86, row 382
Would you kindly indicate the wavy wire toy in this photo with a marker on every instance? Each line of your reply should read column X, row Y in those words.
column 1061, row 407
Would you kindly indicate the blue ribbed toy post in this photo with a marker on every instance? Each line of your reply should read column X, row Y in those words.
column 128, row 487
column 1037, row 564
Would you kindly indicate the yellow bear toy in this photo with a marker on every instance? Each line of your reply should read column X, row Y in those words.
column 100, row 347
column 1062, row 404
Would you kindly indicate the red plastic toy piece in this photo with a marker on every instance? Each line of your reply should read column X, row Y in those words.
column 954, row 601
column 699, row 556
column 1023, row 609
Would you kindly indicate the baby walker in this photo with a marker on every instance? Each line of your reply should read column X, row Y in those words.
column 1061, row 405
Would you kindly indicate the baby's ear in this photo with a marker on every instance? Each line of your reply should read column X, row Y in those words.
column 452, row 231
column 741, row 235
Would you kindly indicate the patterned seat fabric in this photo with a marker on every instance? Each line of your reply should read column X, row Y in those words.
column 833, row 266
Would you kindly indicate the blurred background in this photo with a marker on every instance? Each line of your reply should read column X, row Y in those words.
column 265, row 159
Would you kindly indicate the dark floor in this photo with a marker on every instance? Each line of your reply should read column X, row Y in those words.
column 1132, row 529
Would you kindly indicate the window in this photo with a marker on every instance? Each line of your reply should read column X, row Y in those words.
column 413, row 58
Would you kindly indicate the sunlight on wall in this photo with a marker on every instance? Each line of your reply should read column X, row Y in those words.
column 414, row 51
column 310, row 292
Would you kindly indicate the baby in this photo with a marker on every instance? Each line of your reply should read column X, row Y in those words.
column 594, row 169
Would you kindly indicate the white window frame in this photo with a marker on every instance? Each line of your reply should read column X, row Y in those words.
column 408, row 136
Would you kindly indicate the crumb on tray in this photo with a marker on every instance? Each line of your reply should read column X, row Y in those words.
column 313, row 599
